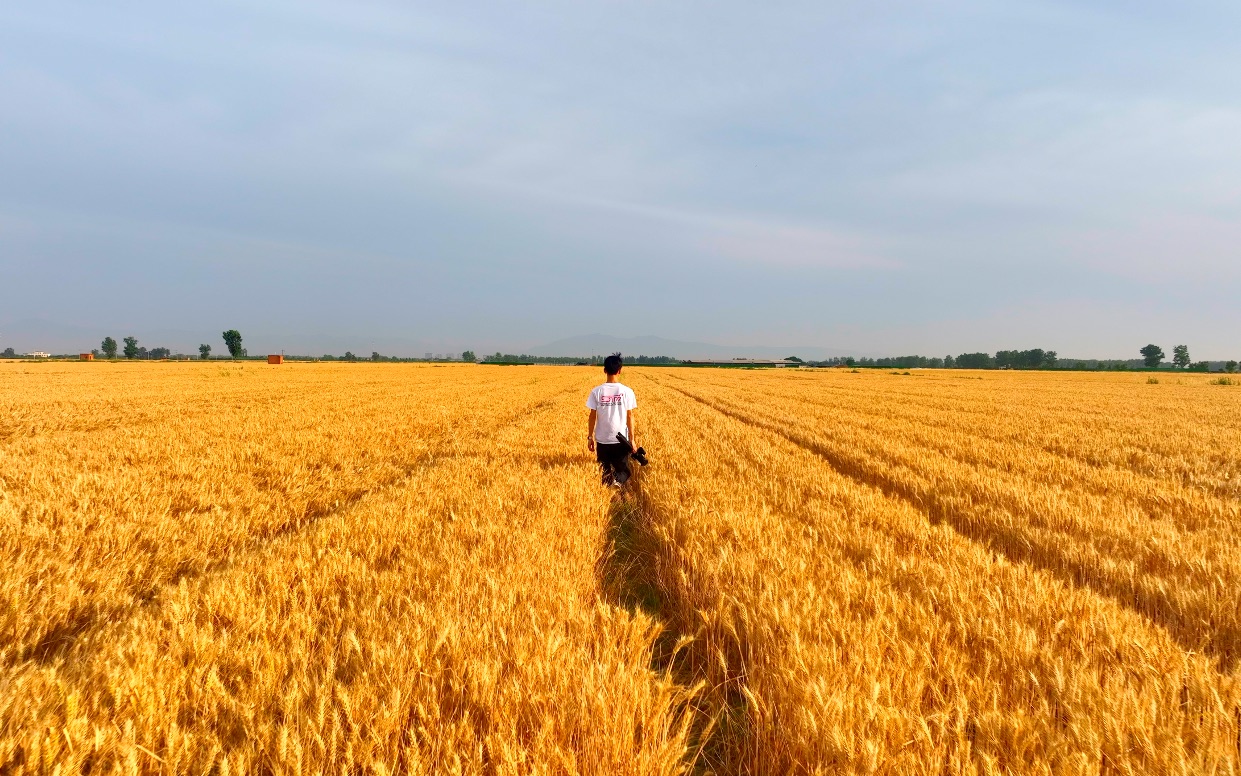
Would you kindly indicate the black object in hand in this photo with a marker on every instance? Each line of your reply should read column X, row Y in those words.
column 639, row 454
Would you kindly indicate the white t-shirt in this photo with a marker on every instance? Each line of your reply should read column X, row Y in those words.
column 612, row 401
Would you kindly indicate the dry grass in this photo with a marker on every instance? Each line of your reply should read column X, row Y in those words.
column 354, row 568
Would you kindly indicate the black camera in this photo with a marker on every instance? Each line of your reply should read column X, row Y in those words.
column 639, row 454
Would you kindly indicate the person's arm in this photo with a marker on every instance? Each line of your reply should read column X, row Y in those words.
column 633, row 442
column 590, row 430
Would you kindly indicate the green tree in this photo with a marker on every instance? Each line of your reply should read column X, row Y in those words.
column 1026, row 359
column 1180, row 356
column 376, row 357
column 975, row 361
column 949, row 362
column 232, row 340
column 8, row 353
column 1152, row 355
column 468, row 356
column 108, row 347
column 204, row 351
column 131, row 347
column 794, row 359
column 350, row 357
column 1230, row 366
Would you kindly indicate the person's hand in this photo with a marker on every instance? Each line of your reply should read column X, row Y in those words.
column 590, row 444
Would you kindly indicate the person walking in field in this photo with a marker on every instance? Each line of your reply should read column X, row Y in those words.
column 611, row 408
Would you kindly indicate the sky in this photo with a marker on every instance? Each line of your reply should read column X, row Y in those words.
column 877, row 177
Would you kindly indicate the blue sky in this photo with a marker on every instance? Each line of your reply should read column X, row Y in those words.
column 884, row 177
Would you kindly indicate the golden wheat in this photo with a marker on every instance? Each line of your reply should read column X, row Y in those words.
column 388, row 568
column 854, row 623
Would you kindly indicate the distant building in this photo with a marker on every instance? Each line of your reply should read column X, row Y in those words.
column 87, row 356
column 39, row 354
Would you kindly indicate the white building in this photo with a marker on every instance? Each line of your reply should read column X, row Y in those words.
column 39, row 354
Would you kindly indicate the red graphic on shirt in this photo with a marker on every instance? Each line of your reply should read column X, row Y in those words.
column 607, row 401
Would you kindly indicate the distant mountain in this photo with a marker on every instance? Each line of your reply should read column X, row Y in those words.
column 602, row 344
column 56, row 337
column 37, row 334
column 34, row 334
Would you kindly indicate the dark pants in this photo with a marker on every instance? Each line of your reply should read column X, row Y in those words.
column 613, row 462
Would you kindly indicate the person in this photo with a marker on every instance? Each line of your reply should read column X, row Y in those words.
column 611, row 406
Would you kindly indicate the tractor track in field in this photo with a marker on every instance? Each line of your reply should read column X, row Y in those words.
column 60, row 640
column 643, row 569
column 1183, row 514
column 1190, row 630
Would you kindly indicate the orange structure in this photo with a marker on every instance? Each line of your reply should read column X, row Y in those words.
column 87, row 356
column 276, row 359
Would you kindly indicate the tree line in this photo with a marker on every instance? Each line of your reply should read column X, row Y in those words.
column 467, row 356
column 232, row 342
column 1153, row 356
column 132, row 350
column 511, row 358
column 1036, row 358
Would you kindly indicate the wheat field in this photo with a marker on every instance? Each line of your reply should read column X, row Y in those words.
column 377, row 568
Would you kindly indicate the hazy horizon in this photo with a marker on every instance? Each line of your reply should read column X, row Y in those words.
column 884, row 179
column 67, row 341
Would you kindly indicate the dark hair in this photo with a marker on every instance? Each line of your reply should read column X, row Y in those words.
column 612, row 364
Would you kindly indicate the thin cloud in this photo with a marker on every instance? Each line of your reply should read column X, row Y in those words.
column 740, row 238
column 1174, row 248
column 768, row 241
column 796, row 247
